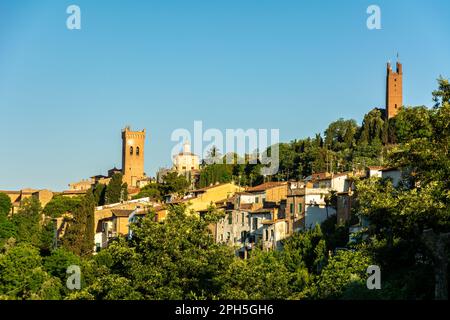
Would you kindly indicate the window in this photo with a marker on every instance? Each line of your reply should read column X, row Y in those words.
column 300, row 209
column 243, row 236
column 257, row 200
column 137, row 151
column 267, row 235
column 228, row 236
column 292, row 208
column 131, row 151
column 255, row 223
column 271, row 235
column 230, row 218
column 243, row 218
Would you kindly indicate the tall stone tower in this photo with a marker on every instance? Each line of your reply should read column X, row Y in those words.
column 394, row 90
column 133, row 143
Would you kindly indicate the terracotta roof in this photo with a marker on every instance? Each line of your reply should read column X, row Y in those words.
column 133, row 190
column 245, row 193
column 121, row 212
column 341, row 174
column 246, row 206
column 273, row 221
column 320, row 175
column 74, row 192
column 223, row 201
column 207, row 188
column 262, row 210
column 266, row 186
column 159, row 208
column 10, row 192
column 390, row 169
column 99, row 176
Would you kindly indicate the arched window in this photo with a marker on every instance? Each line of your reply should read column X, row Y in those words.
column 137, row 151
column 131, row 151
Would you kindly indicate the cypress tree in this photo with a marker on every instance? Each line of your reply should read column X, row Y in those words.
column 79, row 237
column 114, row 189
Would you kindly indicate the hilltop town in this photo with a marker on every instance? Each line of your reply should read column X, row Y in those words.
column 264, row 212
column 337, row 204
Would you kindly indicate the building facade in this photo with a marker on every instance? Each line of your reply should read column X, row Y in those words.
column 186, row 162
column 133, row 144
column 394, row 90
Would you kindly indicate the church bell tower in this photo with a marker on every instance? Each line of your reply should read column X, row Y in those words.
column 133, row 143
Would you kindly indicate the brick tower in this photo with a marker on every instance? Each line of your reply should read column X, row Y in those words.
column 394, row 90
column 132, row 156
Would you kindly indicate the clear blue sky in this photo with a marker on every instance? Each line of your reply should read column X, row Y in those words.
column 160, row 65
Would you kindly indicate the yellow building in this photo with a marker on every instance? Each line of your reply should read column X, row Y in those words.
column 133, row 143
column 270, row 191
column 44, row 197
column 200, row 199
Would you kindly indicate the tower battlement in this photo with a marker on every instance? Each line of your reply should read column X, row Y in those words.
column 394, row 90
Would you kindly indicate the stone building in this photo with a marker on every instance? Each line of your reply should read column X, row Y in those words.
column 394, row 90
column 16, row 197
column 133, row 144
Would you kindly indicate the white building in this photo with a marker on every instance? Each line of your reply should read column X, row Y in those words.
column 186, row 162
column 374, row 171
column 392, row 173
column 316, row 210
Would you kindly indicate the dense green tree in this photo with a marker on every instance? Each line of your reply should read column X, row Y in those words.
column 22, row 275
column 372, row 127
column 176, row 259
column 28, row 222
column 116, row 190
column 215, row 173
column 344, row 269
column 7, row 228
column 416, row 212
column 108, row 287
column 79, row 236
column 340, row 135
column 5, row 204
column 174, row 184
column 100, row 194
column 263, row 276
column 152, row 191
column 335, row 235
column 412, row 123
column 442, row 94
column 306, row 249
column 58, row 261
column 60, row 205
